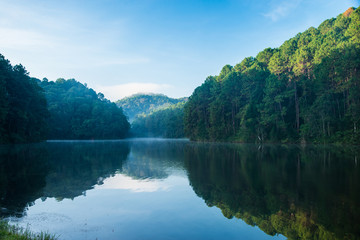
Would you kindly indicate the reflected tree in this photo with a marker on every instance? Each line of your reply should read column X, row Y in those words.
column 302, row 193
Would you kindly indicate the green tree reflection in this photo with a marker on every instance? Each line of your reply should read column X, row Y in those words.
column 302, row 193
column 60, row 170
column 23, row 170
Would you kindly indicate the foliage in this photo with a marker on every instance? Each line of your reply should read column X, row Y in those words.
column 140, row 104
column 167, row 123
column 10, row 232
column 23, row 110
column 77, row 112
column 307, row 90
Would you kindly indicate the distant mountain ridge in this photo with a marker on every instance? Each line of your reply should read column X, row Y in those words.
column 145, row 103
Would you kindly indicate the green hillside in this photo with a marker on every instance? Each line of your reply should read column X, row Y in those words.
column 78, row 112
column 138, row 104
column 307, row 90
column 167, row 122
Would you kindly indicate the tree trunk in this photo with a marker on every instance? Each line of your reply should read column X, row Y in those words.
column 233, row 118
column 297, row 111
column 354, row 127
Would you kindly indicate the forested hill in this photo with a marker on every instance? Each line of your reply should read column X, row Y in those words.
column 145, row 103
column 166, row 122
column 23, row 110
column 78, row 112
column 307, row 90
column 32, row 110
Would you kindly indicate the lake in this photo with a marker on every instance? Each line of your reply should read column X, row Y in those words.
column 176, row 189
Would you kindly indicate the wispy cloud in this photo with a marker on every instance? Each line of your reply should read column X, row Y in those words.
column 70, row 40
column 123, row 61
column 24, row 39
column 282, row 9
column 117, row 92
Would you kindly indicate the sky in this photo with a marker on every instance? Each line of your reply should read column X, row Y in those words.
column 122, row 47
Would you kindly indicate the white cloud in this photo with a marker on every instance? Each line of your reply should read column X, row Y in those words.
column 117, row 92
column 282, row 10
column 23, row 39
column 120, row 181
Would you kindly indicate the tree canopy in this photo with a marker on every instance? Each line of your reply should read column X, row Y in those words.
column 140, row 104
column 307, row 90
column 167, row 123
column 78, row 112
column 23, row 109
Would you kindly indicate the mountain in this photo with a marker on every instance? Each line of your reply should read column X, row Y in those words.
column 307, row 90
column 165, row 122
column 139, row 104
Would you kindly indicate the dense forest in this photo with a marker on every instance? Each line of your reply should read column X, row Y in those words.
column 307, row 90
column 78, row 112
column 23, row 109
column 140, row 104
column 154, row 115
column 32, row 110
column 167, row 123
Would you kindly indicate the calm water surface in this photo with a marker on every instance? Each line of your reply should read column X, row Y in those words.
column 176, row 189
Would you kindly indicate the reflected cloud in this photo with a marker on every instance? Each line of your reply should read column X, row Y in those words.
column 282, row 9
column 120, row 181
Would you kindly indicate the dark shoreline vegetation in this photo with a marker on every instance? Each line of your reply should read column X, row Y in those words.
column 10, row 232
column 305, row 91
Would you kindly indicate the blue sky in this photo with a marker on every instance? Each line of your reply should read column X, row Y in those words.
column 163, row 46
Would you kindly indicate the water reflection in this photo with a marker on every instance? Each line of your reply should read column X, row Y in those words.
column 23, row 170
column 60, row 170
column 77, row 167
column 154, row 158
column 302, row 193
column 121, row 181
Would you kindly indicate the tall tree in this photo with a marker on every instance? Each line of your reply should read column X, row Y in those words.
column 305, row 90
column 23, row 109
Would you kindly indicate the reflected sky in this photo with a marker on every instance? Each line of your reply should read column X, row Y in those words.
column 147, row 196
column 167, row 189
column 124, row 208
column 121, row 181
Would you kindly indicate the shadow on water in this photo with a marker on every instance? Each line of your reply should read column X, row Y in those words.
column 302, row 193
